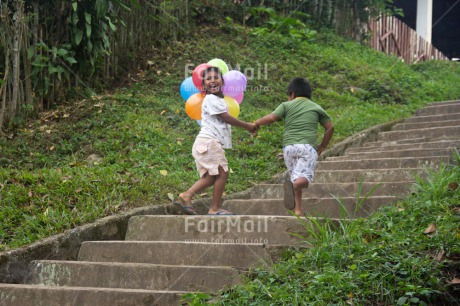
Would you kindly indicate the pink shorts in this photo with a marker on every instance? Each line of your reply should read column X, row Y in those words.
column 209, row 155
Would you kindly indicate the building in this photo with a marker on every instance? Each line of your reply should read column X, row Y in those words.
column 436, row 21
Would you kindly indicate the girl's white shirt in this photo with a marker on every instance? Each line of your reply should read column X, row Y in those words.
column 211, row 125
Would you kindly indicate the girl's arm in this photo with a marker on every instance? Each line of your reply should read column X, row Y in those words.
column 227, row 118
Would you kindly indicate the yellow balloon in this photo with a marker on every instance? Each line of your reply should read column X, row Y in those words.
column 233, row 106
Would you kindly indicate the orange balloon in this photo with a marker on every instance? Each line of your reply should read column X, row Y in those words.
column 193, row 106
column 233, row 106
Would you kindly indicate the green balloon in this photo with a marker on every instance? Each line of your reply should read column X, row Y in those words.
column 217, row 62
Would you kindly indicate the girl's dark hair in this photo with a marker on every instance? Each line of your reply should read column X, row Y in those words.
column 300, row 87
column 212, row 69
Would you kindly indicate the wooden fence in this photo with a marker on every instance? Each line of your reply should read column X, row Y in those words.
column 392, row 36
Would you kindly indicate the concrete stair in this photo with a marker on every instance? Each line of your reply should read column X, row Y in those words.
column 315, row 207
column 318, row 190
column 206, row 254
column 427, row 133
column 271, row 229
column 41, row 295
column 141, row 276
column 164, row 257
column 388, row 146
column 367, row 175
column 354, row 162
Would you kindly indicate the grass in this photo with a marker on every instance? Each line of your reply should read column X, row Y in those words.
column 130, row 147
column 405, row 254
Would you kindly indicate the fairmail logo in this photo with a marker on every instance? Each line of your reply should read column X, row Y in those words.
column 225, row 225
column 257, row 72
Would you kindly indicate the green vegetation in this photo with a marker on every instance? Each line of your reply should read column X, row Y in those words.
column 402, row 255
column 141, row 137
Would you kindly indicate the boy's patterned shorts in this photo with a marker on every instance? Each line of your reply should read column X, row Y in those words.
column 209, row 155
column 301, row 160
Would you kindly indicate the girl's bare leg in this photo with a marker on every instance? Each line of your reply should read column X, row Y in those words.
column 219, row 186
column 200, row 185
column 299, row 184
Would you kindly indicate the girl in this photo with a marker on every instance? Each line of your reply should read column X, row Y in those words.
column 208, row 150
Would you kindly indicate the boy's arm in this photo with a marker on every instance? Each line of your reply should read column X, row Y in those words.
column 227, row 118
column 266, row 120
column 328, row 132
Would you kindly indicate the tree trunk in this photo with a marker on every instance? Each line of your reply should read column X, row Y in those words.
column 27, row 72
column 3, row 89
column 16, row 58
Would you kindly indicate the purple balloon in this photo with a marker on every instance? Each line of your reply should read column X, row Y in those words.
column 234, row 83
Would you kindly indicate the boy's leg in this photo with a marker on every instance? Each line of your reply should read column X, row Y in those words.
column 290, row 157
column 301, row 161
column 299, row 184
column 289, row 195
column 219, row 186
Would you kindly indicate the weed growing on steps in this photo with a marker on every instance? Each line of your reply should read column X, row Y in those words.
column 406, row 254
column 435, row 186
column 321, row 230
column 347, row 226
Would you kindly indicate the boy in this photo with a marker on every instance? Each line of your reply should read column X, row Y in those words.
column 301, row 117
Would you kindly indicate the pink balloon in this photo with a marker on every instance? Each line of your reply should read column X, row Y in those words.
column 234, row 83
column 239, row 97
column 197, row 75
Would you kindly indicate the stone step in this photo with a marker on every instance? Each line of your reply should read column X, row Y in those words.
column 240, row 255
column 421, row 125
column 319, row 207
column 444, row 102
column 263, row 229
column 317, row 190
column 428, row 154
column 421, row 157
column 140, row 276
column 437, row 109
column 374, row 175
column 390, row 146
column 435, row 132
column 433, row 118
column 415, row 140
column 33, row 295
column 361, row 161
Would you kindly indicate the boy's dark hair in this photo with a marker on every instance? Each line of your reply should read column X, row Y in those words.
column 300, row 87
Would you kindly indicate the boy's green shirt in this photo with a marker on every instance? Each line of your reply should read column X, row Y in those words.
column 301, row 117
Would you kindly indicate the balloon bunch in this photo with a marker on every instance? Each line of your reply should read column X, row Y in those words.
column 193, row 93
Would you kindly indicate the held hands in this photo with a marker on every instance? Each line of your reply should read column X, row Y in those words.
column 256, row 130
column 253, row 128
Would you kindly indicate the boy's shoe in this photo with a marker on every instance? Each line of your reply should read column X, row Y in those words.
column 289, row 195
